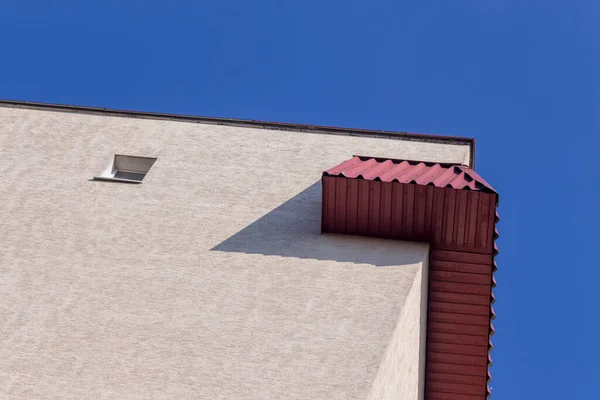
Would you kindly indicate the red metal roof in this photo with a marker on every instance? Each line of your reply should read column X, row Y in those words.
column 452, row 208
column 416, row 172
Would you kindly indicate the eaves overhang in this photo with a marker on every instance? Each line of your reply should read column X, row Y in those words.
column 452, row 208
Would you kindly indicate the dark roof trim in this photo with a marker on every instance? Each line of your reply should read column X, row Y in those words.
column 248, row 123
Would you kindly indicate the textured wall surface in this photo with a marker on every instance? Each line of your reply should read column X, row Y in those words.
column 209, row 280
column 401, row 375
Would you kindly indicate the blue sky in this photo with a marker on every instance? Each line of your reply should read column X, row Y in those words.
column 521, row 76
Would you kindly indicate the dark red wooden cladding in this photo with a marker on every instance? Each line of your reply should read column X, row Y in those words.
column 363, row 207
column 459, row 298
column 441, row 285
column 457, row 328
column 460, row 277
column 442, row 337
column 465, row 319
column 458, row 369
column 385, row 215
column 431, row 395
column 458, row 388
column 459, row 359
column 352, row 206
column 340, row 204
column 441, row 265
column 404, row 211
column 374, row 209
column 454, row 308
column 424, row 202
column 458, row 256
column 453, row 378
column 458, row 349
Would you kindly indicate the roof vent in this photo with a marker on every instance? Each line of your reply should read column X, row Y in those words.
column 127, row 169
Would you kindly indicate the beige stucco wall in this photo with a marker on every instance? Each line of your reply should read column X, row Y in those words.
column 401, row 374
column 210, row 280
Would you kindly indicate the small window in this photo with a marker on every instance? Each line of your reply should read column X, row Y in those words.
column 128, row 169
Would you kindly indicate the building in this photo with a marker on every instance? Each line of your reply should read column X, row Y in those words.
column 254, row 261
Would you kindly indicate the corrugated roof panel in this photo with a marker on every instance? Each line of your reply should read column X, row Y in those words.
column 416, row 172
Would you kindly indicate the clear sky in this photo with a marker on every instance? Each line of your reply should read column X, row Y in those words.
column 521, row 76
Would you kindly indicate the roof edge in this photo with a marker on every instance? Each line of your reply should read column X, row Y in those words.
column 332, row 130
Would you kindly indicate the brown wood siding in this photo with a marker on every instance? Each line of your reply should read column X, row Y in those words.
column 459, row 225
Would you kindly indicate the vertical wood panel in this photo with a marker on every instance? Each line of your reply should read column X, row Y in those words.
column 459, row 224
column 397, row 209
column 385, row 213
column 429, row 212
column 449, row 213
column 439, row 196
column 324, row 213
column 461, row 218
column 352, row 206
column 471, row 227
column 340, row 205
column 374, row 207
column 485, row 218
column 408, row 211
column 328, row 219
column 492, row 223
column 362, row 227
column 420, row 209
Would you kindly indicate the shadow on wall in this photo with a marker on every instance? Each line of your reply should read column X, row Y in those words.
column 294, row 230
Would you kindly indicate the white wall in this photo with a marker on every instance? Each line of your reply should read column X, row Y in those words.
column 209, row 280
column 401, row 374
